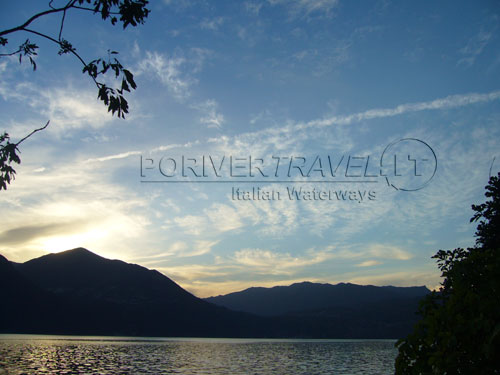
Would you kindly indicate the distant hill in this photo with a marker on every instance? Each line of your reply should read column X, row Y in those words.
column 341, row 310
column 101, row 296
column 306, row 296
column 79, row 292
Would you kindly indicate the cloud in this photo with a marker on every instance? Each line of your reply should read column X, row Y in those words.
column 191, row 224
column 180, row 5
column 307, row 7
column 224, row 217
column 169, row 71
column 243, row 269
column 26, row 233
column 182, row 249
column 272, row 218
column 176, row 72
column 268, row 262
column 263, row 267
column 210, row 117
column 417, row 277
column 68, row 108
column 291, row 137
column 281, row 218
column 452, row 101
column 474, row 48
column 202, row 247
column 253, row 7
column 121, row 155
column 387, row 252
column 212, row 24
column 68, row 205
column 369, row 263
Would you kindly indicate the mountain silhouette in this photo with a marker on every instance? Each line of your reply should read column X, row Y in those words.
column 83, row 274
column 18, row 297
column 326, row 310
column 307, row 296
column 79, row 292
column 110, row 297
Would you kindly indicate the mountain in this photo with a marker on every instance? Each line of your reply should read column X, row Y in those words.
column 79, row 292
column 82, row 274
column 325, row 310
column 99, row 296
column 18, row 296
column 307, row 296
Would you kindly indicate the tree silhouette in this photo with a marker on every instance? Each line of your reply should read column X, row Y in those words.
column 459, row 332
column 126, row 12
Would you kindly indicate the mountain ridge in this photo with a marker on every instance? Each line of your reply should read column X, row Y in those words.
column 80, row 292
column 280, row 300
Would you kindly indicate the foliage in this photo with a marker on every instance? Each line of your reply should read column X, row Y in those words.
column 8, row 155
column 459, row 331
column 130, row 12
column 126, row 12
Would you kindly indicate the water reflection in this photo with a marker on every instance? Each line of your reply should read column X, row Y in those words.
column 21, row 355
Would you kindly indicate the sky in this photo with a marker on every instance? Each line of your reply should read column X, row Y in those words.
column 268, row 142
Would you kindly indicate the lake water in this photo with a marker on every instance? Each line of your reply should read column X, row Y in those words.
column 28, row 354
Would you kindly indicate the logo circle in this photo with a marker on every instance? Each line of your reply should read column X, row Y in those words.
column 408, row 164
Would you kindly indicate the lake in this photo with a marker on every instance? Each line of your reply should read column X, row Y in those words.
column 33, row 354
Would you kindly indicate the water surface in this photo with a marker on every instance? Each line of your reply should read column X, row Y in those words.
column 29, row 354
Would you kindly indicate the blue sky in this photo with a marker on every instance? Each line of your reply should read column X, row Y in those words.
column 282, row 78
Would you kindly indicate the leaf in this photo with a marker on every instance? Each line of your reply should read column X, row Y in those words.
column 65, row 47
column 130, row 78
column 125, row 86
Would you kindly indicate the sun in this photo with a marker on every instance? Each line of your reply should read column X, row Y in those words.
column 56, row 244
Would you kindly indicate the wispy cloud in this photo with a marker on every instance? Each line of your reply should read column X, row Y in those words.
column 212, row 24
column 26, row 233
column 267, row 268
column 169, row 71
column 280, row 218
column 266, row 261
column 369, row 263
column 292, row 136
column 419, row 277
column 178, row 74
column 180, row 5
column 452, row 101
column 210, row 115
column 253, row 7
column 73, row 108
column 121, row 155
column 299, row 8
column 474, row 47
column 68, row 108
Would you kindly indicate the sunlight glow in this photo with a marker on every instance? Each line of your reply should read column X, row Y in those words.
column 57, row 244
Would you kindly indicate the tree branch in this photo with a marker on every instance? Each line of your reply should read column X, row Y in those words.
column 72, row 50
column 10, row 54
column 33, row 132
column 93, row 10
column 29, row 21
column 70, row 4
column 62, row 25
column 132, row 12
